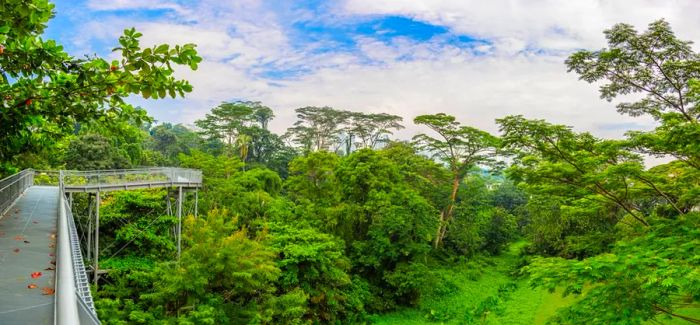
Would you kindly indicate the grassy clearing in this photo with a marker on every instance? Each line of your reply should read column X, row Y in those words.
column 464, row 289
column 474, row 287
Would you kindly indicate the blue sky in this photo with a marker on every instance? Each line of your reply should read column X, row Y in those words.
column 476, row 60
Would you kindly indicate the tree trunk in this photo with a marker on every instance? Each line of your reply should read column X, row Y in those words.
column 447, row 214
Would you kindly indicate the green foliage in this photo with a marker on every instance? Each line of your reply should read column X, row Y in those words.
column 233, row 285
column 315, row 262
column 646, row 277
column 44, row 91
column 328, row 129
column 242, row 126
column 138, row 220
column 461, row 148
column 94, row 151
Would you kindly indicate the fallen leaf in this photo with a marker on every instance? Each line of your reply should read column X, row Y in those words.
column 53, row 262
column 26, row 242
column 18, row 237
column 35, row 222
column 31, row 286
column 36, row 275
column 50, row 268
column 2, row 233
column 53, row 236
column 51, row 254
column 52, row 245
column 47, row 291
column 16, row 250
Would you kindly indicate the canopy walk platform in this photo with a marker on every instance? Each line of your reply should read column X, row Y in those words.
column 43, row 279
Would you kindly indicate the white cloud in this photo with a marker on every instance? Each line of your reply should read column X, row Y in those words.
column 550, row 24
column 241, row 39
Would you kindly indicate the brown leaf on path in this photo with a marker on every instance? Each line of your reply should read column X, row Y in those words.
column 35, row 222
column 52, row 245
column 51, row 254
column 53, row 236
column 19, row 237
column 2, row 233
column 36, row 275
column 50, row 268
column 46, row 291
column 53, row 262
column 16, row 250
column 31, row 286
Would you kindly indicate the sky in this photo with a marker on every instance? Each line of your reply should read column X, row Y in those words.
column 476, row 60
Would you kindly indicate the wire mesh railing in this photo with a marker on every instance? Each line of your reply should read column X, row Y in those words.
column 13, row 186
column 159, row 175
column 81, row 280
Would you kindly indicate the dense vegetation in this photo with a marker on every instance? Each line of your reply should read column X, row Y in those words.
column 335, row 222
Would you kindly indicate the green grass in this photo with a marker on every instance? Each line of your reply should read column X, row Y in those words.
column 461, row 289
column 524, row 305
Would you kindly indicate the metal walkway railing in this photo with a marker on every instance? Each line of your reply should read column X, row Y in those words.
column 13, row 186
column 122, row 179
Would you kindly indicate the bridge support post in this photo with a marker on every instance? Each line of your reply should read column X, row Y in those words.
column 89, row 231
column 97, row 237
column 196, row 199
column 179, row 221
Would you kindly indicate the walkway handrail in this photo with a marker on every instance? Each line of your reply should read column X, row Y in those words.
column 13, row 186
column 66, row 306
column 74, row 303
column 118, row 177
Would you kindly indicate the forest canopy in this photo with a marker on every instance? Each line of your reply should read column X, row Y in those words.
column 335, row 221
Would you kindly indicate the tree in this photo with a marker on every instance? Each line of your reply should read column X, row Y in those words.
column 553, row 160
column 45, row 92
column 663, row 69
column 461, row 148
column 242, row 126
column 93, row 151
column 318, row 128
column 652, row 273
column 370, row 129
column 226, row 121
column 316, row 263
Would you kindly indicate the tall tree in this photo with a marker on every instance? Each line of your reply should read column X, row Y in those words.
column 461, row 148
column 654, row 272
column 227, row 121
column 318, row 128
column 44, row 91
column 372, row 129
column 664, row 70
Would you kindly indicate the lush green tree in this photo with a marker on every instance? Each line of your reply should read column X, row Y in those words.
column 461, row 148
column 665, row 71
column 424, row 175
column 226, row 121
column 45, row 91
column 94, row 151
column 318, row 128
column 316, row 263
column 654, row 64
column 136, row 223
column 243, row 128
column 368, row 130
column 553, row 160
column 236, row 284
column 651, row 273
column 650, row 277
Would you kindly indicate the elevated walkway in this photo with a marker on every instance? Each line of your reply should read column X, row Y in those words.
column 28, row 246
column 42, row 274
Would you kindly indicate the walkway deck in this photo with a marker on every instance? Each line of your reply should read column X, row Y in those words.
column 27, row 241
